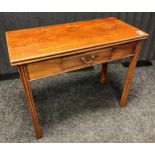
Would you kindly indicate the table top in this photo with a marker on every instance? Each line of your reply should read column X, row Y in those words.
column 31, row 44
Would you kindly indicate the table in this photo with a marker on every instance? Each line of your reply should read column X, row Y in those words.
column 50, row 50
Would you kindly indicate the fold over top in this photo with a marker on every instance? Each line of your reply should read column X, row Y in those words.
column 37, row 43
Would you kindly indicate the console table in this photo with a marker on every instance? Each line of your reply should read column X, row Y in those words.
column 50, row 50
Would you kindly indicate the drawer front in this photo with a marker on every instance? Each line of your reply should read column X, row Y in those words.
column 86, row 59
column 72, row 62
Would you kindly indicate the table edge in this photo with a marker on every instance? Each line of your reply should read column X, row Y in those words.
column 72, row 51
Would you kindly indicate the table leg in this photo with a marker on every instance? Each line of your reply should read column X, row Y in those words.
column 28, row 93
column 103, row 78
column 130, row 73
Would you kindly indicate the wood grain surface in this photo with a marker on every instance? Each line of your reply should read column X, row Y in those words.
column 31, row 44
column 30, row 101
column 130, row 74
column 63, row 64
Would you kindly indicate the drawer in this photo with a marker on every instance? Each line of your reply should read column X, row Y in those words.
column 86, row 59
column 76, row 61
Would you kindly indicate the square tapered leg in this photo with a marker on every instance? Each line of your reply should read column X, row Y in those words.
column 130, row 73
column 28, row 94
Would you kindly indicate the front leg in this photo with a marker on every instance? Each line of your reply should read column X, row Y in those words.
column 130, row 73
column 28, row 94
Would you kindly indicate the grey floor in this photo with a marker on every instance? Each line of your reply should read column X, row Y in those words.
column 75, row 107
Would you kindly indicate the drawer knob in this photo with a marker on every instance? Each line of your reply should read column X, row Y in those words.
column 83, row 59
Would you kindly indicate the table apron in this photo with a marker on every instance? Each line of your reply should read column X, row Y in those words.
column 72, row 62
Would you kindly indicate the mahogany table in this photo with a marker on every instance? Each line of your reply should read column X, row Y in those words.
column 50, row 50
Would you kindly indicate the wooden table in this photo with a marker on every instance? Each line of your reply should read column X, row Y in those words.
column 50, row 50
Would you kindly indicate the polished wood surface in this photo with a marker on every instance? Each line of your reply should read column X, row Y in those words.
column 130, row 73
column 59, row 65
column 28, row 94
column 45, row 51
column 44, row 42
